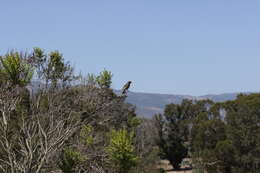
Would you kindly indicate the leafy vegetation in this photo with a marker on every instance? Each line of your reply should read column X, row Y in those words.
column 71, row 123
column 121, row 150
column 52, row 120
column 69, row 160
column 219, row 137
column 15, row 69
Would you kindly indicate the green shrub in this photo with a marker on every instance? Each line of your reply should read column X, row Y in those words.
column 69, row 159
column 121, row 151
column 104, row 80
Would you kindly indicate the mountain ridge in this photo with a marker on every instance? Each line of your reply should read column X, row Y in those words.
column 149, row 104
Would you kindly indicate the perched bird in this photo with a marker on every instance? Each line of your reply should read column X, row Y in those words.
column 126, row 87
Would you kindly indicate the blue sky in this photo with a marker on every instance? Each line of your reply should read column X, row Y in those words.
column 163, row 46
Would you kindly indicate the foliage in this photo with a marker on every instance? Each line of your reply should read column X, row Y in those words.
column 145, row 135
column 173, row 130
column 220, row 137
column 243, row 131
column 40, row 134
column 207, row 142
column 69, row 159
column 134, row 122
column 64, row 126
column 15, row 68
column 121, row 150
column 52, row 68
column 85, row 132
column 104, row 79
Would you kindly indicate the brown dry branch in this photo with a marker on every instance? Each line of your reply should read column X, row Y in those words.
column 39, row 136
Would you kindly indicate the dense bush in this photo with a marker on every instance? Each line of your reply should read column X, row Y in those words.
column 53, row 120
column 221, row 137
column 121, row 150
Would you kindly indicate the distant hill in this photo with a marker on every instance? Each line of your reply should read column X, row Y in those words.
column 148, row 104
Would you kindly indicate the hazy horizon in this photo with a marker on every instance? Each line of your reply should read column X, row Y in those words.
column 169, row 47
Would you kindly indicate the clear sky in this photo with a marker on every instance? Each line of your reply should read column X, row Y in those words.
column 165, row 46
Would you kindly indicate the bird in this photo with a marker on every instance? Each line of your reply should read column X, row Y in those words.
column 126, row 87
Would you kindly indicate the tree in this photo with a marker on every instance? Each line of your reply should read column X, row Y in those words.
column 226, row 137
column 121, row 150
column 171, row 134
column 175, row 134
column 64, row 127
column 15, row 74
column 52, row 68
column 15, row 69
column 30, row 137
column 39, row 137
column 208, row 138
column 104, row 79
column 147, row 150
column 243, row 131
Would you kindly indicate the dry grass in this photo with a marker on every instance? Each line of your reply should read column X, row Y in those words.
column 166, row 166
